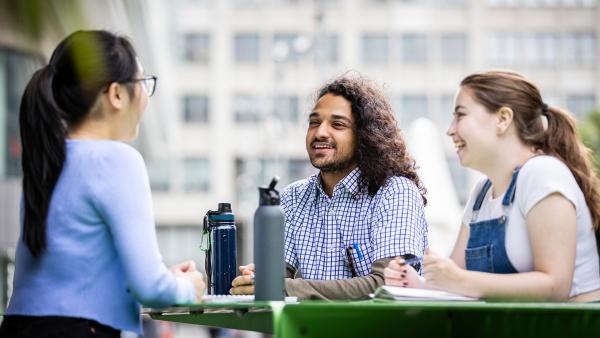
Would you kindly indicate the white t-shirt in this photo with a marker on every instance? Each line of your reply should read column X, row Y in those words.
column 540, row 177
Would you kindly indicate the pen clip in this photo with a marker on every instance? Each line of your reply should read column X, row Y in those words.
column 358, row 251
column 351, row 261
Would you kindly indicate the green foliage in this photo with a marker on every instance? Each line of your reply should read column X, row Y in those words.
column 589, row 130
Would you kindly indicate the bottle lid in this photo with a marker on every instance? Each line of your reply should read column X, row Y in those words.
column 223, row 213
column 225, row 207
column 268, row 195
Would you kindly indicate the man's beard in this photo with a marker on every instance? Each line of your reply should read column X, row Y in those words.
column 334, row 165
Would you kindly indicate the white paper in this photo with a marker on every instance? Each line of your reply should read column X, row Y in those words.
column 399, row 293
column 237, row 299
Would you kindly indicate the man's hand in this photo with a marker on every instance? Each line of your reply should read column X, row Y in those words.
column 244, row 284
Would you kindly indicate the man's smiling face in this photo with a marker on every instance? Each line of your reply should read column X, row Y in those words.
column 330, row 139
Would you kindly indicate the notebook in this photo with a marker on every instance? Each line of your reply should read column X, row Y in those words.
column 399, row 293
column 209, row 299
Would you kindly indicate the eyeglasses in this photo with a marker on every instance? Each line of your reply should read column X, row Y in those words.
column 149, row 83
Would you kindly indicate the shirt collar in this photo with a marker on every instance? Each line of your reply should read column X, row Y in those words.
column 350, row 183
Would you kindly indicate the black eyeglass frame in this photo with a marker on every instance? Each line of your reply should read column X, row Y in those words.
column 148, row 81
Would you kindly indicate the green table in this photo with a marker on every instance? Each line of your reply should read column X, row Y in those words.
column 389, row 318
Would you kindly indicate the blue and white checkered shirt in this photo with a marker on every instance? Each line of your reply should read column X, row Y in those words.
column 319, row 228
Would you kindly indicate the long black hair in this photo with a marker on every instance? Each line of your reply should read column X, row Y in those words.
column 58, row 97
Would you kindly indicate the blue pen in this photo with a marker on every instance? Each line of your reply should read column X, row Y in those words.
column 358, row 252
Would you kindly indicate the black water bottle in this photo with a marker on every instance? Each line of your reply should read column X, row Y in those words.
column 221, row 250
column 269, row 252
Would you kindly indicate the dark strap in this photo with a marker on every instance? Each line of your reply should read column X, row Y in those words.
column 481, row 196
column 509, row 197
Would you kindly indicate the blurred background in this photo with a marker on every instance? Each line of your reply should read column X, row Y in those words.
column 237, row 79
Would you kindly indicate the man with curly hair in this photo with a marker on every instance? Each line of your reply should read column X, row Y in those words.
column 364, row 206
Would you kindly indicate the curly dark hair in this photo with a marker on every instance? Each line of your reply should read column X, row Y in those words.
column 381, row 151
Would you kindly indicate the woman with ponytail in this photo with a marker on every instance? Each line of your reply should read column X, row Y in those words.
column 530, row 227
column 88, row 255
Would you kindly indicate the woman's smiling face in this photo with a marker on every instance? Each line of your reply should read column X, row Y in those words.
column 473, row 130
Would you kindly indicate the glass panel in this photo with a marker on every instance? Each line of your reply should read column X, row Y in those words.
column 375, row 48
column 580, row 48
column 196, row 108
column 180, row 243
column 581, row 105
column 247, row 47
column 300, row 169
column 246, row 108
column 413, row 107
column 196, row 47
column 284, row 47
column 159, row 174
column 502, row 48
column 18, row 69
column 414, row 48
column 327, row 49
column 540, row 48
column 196, row 173
column 286, row 108
column 453, row 48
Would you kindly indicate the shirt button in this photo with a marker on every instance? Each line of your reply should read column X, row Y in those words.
column 332, row 248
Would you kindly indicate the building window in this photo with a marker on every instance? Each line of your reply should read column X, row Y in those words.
column 579, row 3
column 414, row 48
column 408, row 108
column 580, row 48
column 446, row 110
column 287, row 47
column 327, row 48
column 16, row 70
column 286, row 108
column 453, row 48
column 300, row 169
column 503, row 3
column 503, row 48
column 247, row 47
column 196, row 175
column 246, row 108
column 375, row 49
column 247, row 3
column 159, row 174
column 180, row 242
column 196, row 47
column 540, row 48
column 581, row 105
column 196, row 108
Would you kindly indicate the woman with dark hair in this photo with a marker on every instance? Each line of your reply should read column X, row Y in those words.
column 88, row 251
column 530, row 228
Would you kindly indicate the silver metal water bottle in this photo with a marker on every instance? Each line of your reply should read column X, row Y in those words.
column 269, row 261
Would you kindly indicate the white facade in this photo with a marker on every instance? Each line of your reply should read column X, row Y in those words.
column 231, row 58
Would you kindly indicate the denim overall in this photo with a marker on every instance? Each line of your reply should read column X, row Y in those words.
column 486, row 249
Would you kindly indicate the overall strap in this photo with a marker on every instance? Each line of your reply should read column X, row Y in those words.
column 479, row 200
column 481, row 196
column 509, row 197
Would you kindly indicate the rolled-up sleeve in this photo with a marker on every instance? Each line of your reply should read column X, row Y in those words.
column 400, row 225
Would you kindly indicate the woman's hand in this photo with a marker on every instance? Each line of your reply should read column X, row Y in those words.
column 187, row 266
column 399, row 274
column 442, row 272
column 197, row 280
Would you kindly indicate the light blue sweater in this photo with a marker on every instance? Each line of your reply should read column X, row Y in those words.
column 102, row 255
